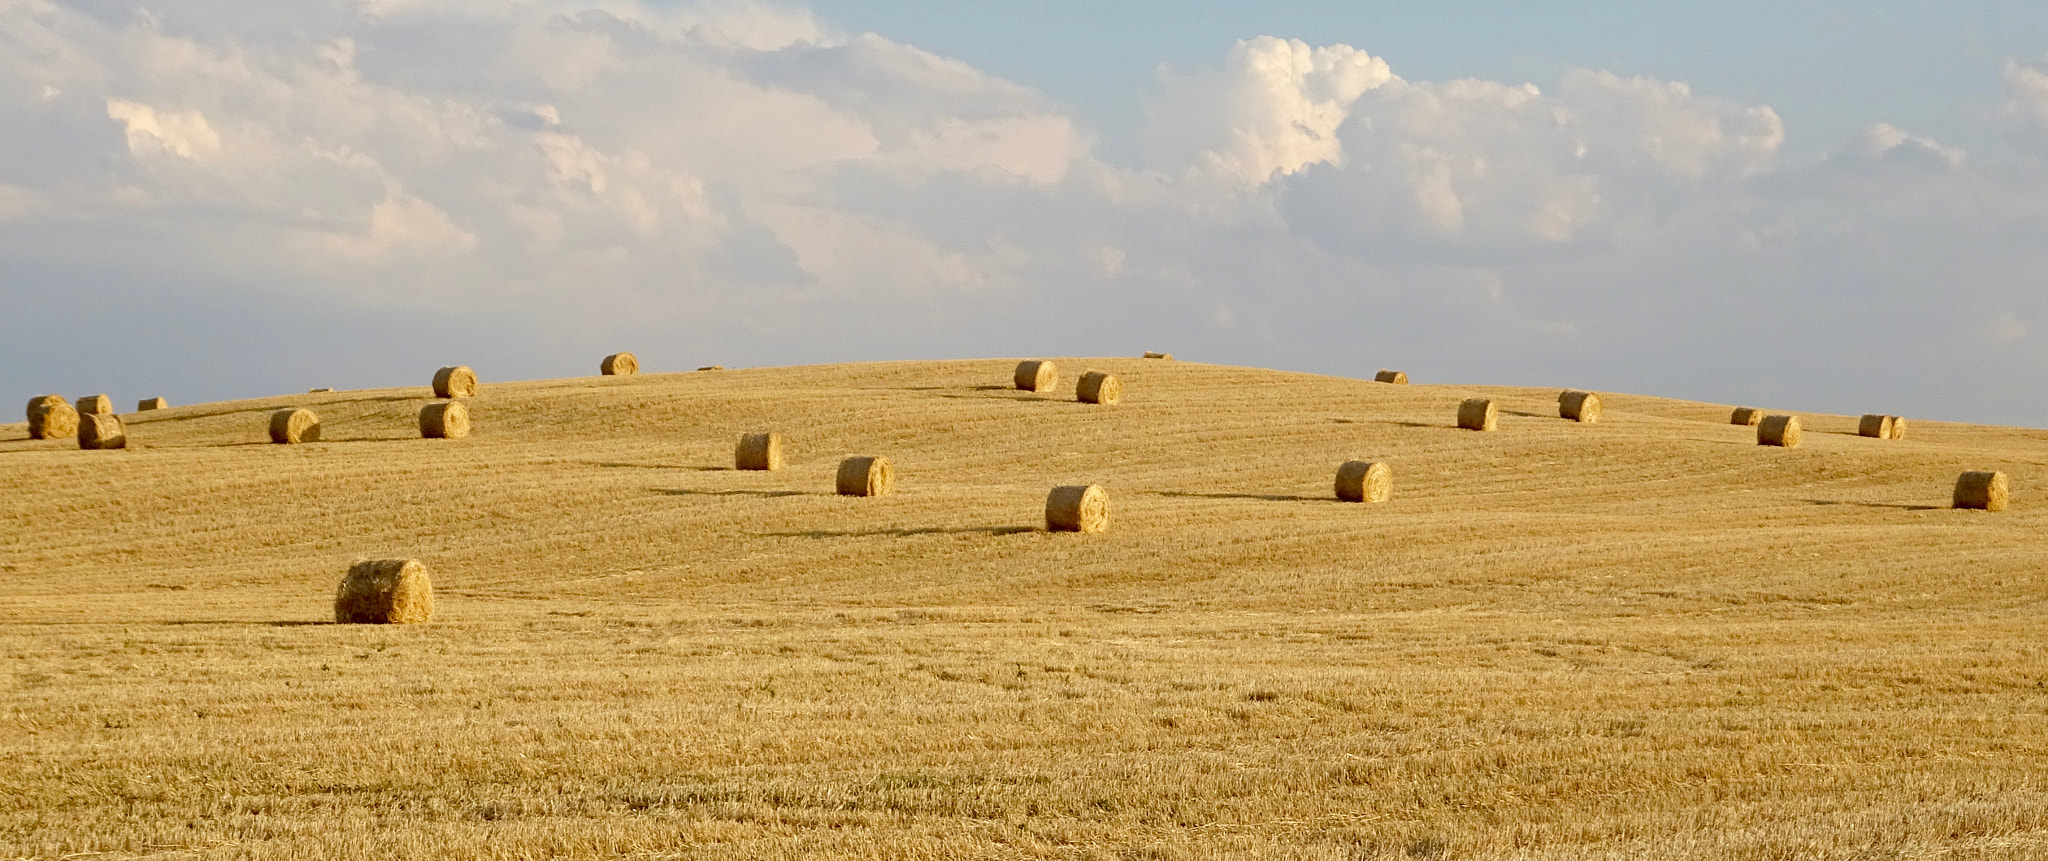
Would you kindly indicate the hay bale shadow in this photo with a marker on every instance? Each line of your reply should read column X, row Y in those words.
column 764, row 494
column 903, row 533
column 1892, row 505
column 1269, row 497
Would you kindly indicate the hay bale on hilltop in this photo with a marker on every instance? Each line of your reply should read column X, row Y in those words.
column 1874, row 426
column 385, row 592
column 96, row 404
column 1579, row 406
column 619, row 365
column 51, row 417
column 712, row 368
column 1080, row 508
column 1780, row 430
column 1365, row 481
column 866, row 476
column 147, row 404
column 1399, row 378
column 100, row 431
column 1097, row 387
column 291, row 426
column 444, row 420
column 758, row 451
column 1152, row 355
column 1984, row 490
column 319, row 390
column 1746, row 416
column 1478, row 414
column 1036, row 375
column 455, row 382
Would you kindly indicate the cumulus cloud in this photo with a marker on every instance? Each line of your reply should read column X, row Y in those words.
column 1272, row 108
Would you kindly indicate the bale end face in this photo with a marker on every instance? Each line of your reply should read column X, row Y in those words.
column 293, row 426
column 1152, row 355
column 619, row 364
column 1745, row 416
column 758, row 451
column 1363, row 481
column 1082, row 508
column 1478, row 414
column 1097, row 387
column 1579, row 406
column 455, row 382
column 1780, row 430
column 147, row 404
column 385, row 592
column 101, row 431
column 96, row 404
column 1984, row 491
column 1036, row 375
column 446, row 420
column 1399, row 378
column 51, row 417
column 866, row 476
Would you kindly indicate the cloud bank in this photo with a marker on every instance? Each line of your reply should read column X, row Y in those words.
column 209, row 201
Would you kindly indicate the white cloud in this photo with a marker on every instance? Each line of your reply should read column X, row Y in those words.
column 182, row 133
column 1273, row 107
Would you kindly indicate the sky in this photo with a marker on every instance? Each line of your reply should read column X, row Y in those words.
column 1812, row 206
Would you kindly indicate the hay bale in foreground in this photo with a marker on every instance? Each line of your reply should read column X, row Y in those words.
column 866, row 476
column 292, row 426
column 1875, row 426
column 1082, row 508
column 51, row 417
column 147, row 404
column 1579, row 406
column 1036, row 375
column 99, row 431
column 445, row 420
column 385, row 592
column 1363, row 481
column 619, row 365
column 1779, row 430
column 1746, row 416
column 455, row 382
column 1097, row 387
column 1399, row 378
column 1985, row 491
column 758, row 451
column 1478, row 414
column 96, row 404
column 1152, row 355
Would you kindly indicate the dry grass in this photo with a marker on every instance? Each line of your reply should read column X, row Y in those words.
column 1644, row 637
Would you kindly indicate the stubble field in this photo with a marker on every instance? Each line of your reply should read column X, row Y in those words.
column 1643, row 637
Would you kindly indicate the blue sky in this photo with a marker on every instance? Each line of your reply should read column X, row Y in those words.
column 1808, row 206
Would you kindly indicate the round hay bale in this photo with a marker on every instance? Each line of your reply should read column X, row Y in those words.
column 319, row 390
column 96, row 404
column 758, row 451
column 1097, row 387
column 1981, row 490
column 1478, row 414
column 712, row 368
column 1363, row 481
column 1152, row 355
column 1082, row 508
column 1778, row 430
column 1874, row 426
column 1746, row 416
column 97, row 431
column 1579, row 406
column 619, row 365
column 1898, row 427
column 1037, row 375
column 385, row 592
column 866, row 476
column 147, row 404
column 291, row 426
column 446, row 420
column 456, row 382
column 1399, row 378
column 51, row 417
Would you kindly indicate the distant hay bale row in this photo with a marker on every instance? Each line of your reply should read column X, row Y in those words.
column 866, row 476
column 147, row 404
column 101, row 431
column 758, row 451
column 1984, row 490
column 1362, row 481
column 445, row 420
column 51, row 417
column 1579, row 406
column 293, row 426
column 1082, row 508
column 455, row 382
column 385, row 592
column 1478, row 414
column 1098, row 387
column 1778, row 430
column 619, row 365
column 1399, row 378
column 1036, row 375
column 1881, row 427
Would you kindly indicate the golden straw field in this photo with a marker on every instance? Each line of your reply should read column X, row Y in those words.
column 1645, row 637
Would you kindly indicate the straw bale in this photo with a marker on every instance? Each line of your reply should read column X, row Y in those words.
column 455, row 382
column 1036, row 375
column 290, row 426
column 51, row 417
column 444, row 420
column 101, row 431
column 1478, row 414
column 1779, row 430
column 96, row 404
column 1981, row 490
column 1898, row 427
column 758, row 451
column 866, row 476
column 1746, row 416
column 148, row 404
column 712, row 368
column 385, row 592
column 1399, row 378
column 1363, row 481
column 1579, row 406
column 1875, row 426
column 1152, row 355
column 619, row 365
column 1080, row 508
column 1097, row 387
